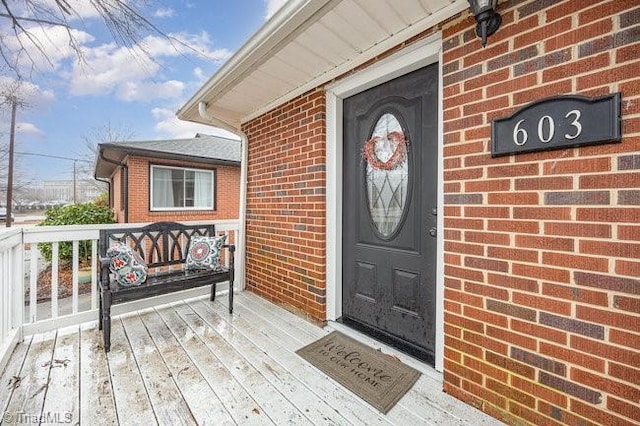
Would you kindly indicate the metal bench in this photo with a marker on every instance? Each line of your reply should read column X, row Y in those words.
column 164, row 247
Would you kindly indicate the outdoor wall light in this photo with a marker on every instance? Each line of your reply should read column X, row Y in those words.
column 488, row 20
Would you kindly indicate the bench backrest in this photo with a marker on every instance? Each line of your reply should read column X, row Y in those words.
column 159, row 244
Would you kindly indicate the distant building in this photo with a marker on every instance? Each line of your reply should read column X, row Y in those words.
column 63, row 190
column 177, row 179
column 44, row 193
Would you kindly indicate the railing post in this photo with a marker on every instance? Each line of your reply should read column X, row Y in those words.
column 18, row 285
column 11, row 292
column 55, row 254
column 34, row 254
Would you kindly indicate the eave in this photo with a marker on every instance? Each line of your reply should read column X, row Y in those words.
column 111, row 154
column 307, row 44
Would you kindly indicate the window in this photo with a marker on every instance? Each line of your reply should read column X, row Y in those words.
column 175, row 188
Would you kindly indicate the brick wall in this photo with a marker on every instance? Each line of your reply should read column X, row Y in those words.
column 542, row 309
column 227, row 193
column 286, row 205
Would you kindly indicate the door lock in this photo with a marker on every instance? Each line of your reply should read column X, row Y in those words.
column 433, row 231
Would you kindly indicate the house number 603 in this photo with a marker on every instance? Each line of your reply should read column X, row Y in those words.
column 547, row 128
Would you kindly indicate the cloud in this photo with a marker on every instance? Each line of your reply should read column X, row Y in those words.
column 141, row 91
column 164, row 12
column 44, row 47
column 30, row 94
column 273, row 6
column 183, row 43
column 29, row 128
column 82, row 9
column 115, row 69
column 199, row 74
column 107, row 67
column 168, row 126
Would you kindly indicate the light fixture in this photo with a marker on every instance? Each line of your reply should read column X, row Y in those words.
column 487, row 18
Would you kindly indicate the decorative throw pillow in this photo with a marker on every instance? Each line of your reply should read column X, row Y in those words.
column 127, row 265
column 204, row 253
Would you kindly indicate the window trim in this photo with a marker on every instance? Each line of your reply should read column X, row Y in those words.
column 211, row 207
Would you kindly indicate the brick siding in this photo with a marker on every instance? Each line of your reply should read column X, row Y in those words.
column 286, row 205
column 542, row 250
column 227, row 193
column 542, row 288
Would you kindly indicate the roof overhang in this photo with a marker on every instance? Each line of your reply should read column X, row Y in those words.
column 112, row 156
column 306, row 44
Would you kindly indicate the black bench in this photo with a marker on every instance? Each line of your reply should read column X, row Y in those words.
column 164, row 247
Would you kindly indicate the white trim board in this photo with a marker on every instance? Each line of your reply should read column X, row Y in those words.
column 411, row 58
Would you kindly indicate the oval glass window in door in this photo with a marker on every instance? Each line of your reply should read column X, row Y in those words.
column 387, row 174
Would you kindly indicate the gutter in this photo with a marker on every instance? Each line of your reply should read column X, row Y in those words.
column 241, row 238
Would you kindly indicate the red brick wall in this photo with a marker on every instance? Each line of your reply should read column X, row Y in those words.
column 286, row 205
column 227, row 193
column 542, row 305
column 542, row 309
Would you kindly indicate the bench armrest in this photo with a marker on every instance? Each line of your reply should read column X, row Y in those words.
column 232, row 250
column 105, row 262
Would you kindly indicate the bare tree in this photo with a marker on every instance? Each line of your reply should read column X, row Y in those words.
column 21, row 35
column 106, row 133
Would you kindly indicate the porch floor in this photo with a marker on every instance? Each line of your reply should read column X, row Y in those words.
column 192, row 363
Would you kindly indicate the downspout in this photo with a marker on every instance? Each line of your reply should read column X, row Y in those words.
column 108, row 182
column 244, row 143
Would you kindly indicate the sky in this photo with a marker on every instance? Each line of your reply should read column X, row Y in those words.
column 71, row 103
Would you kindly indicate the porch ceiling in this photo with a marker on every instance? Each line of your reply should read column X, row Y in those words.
column 306, row 44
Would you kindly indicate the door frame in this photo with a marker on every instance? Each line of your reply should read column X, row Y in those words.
column 419, row 54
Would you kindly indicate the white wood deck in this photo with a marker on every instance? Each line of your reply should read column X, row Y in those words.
column 192, row 363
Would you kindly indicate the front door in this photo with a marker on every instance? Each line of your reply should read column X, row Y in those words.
column 390, row 206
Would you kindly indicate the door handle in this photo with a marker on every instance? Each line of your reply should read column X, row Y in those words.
column 433, row 231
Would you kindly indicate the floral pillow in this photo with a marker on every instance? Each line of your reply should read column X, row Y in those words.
column 204, row 253
column 127, row 265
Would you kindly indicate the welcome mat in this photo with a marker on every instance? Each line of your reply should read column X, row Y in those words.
column 379, row 379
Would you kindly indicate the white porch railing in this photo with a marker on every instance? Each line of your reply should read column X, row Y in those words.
column 21, row 286
column 11, row 295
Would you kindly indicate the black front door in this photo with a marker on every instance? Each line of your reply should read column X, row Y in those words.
column 389, row 203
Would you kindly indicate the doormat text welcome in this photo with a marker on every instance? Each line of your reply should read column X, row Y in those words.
column 377, row 378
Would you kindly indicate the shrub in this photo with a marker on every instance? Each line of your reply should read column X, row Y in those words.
column 102, row 200
column 74, row 214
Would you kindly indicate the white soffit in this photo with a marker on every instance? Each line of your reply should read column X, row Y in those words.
column 306, row 44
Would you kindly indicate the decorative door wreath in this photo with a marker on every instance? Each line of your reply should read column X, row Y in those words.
column 398, row 156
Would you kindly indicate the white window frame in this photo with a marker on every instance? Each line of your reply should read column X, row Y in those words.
column 171, row 209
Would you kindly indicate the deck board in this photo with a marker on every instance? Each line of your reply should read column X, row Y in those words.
column 131, row 397
column 62, row 397
column 282, row 379
column 274, row 405
column 191, row 362
column 301, row 333
column 28, row 398
column 166, row 399
column 234, row 397
column 97, row 403
column 276, row 343
column 204, row 404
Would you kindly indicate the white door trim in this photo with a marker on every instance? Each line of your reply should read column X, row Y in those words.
column 411, row 58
